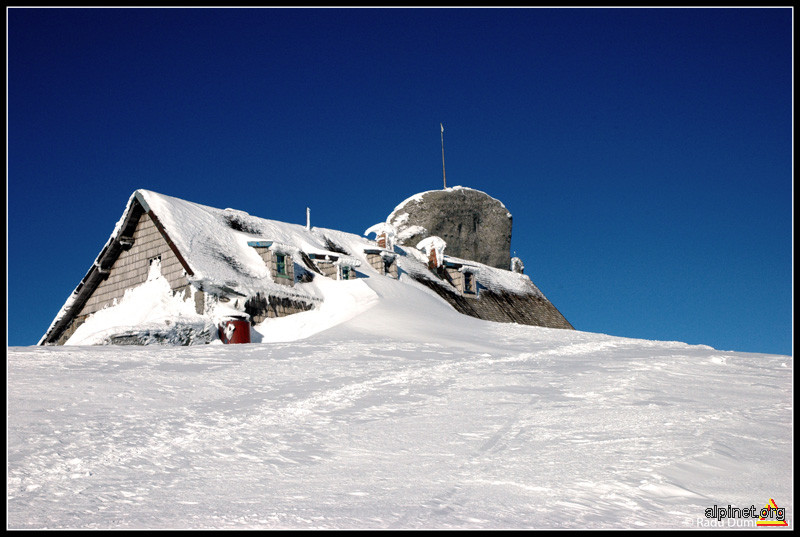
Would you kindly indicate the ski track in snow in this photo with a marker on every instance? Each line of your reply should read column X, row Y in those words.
column 556, row 429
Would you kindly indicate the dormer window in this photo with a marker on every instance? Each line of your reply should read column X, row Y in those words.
column 383, row 261
column 278, row 258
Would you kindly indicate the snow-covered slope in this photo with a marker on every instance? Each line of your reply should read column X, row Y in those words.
column 396, row 412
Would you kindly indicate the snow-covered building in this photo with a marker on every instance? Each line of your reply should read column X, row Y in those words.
column 224, row 265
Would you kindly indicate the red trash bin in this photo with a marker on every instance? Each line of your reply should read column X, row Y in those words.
column 235, row 330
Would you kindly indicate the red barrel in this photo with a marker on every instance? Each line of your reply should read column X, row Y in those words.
column 235, row 331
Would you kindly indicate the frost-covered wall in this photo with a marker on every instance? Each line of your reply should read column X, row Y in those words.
column 131, row 269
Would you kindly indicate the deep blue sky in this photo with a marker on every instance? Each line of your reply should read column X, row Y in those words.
column 645, row 154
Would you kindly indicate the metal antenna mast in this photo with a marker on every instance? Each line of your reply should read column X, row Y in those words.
column 444, row 177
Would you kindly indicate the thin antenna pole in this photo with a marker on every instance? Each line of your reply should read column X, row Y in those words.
column 444, row 177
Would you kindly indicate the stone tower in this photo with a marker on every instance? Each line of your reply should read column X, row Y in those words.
column 474, row 225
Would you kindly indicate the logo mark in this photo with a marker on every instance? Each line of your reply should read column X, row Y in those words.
column 772, row 516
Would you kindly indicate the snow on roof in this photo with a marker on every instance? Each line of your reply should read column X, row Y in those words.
column 214, row 243
column 208, row 242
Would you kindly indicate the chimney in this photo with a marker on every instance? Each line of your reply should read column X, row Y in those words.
column 432, row 262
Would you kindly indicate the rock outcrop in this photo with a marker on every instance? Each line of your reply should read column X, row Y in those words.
column 474, row 225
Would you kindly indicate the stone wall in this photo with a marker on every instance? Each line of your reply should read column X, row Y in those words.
column 262, row 307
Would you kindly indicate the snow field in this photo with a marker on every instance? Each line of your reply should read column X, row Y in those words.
column 400, row 413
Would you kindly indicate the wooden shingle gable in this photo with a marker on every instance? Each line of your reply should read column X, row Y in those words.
column 100, row 270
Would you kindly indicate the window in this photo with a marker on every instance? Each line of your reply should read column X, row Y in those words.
column 345, row 273
column 469, row 283
column 280, row 265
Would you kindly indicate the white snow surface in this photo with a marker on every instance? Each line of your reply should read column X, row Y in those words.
column 384, row 408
